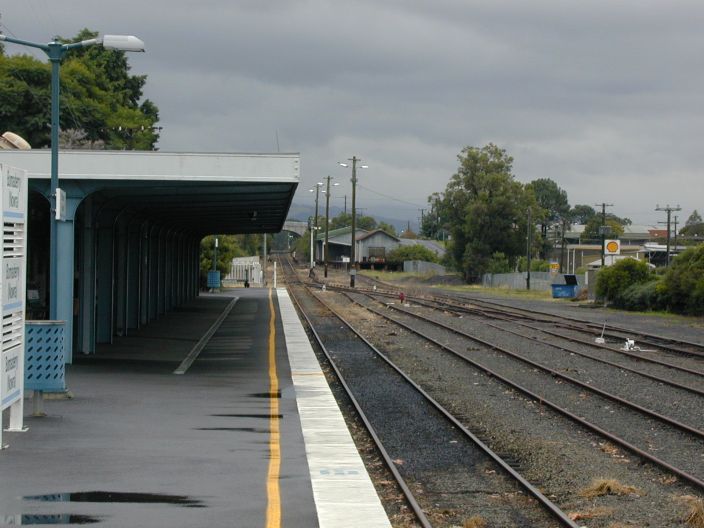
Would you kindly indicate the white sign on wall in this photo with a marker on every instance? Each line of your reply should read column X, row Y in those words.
column 13, row 191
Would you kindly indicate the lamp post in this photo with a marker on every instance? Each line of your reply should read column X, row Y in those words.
column 56, row 52
column 317, row 193
column 312, row 231
column 327, row 222
column 353, row 267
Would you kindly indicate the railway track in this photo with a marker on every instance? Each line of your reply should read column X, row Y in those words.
column 539, row 386
column 430, row 452
column 493, row 309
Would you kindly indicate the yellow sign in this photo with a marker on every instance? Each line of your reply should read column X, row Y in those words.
column 612, row 247
column 554, row 267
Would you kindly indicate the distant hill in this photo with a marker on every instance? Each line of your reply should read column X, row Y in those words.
column 303, row 212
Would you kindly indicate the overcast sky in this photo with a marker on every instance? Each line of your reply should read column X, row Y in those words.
column 606, row 98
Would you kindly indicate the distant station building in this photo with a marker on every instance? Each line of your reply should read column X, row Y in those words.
column 372, row 247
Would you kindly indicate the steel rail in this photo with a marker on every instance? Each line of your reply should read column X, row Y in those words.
column 582, row 354
column 537, row 397
column 605, row 394
column 597, row 327
column 505, row 316
column 542, row 499
column 531, row 314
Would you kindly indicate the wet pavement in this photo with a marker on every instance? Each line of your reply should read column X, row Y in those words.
column 140, row 446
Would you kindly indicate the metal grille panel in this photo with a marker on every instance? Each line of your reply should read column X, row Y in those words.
column 44, row 356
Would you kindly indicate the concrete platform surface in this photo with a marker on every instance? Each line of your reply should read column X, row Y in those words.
column 140, row 446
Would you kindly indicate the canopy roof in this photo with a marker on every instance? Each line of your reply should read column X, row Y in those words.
column 206, row 193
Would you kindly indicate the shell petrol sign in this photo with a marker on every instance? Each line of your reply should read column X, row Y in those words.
column 612, row 247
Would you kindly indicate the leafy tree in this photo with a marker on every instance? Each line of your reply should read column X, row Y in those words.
column 486, row 210
column 431, row 225
column 613, row 281
column 498, row 263
column 694, row 219
column 581, row 214
column 415, row 252
column 228, row 248
column 614, row 223
column 683, row 282
column 552, row 199
column 368, row 223
column 388, row 228
column 99, row 98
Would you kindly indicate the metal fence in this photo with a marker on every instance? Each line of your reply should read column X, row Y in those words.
column 539, row 280
column 421, row 266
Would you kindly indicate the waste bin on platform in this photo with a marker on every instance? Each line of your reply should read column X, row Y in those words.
column 44, row 363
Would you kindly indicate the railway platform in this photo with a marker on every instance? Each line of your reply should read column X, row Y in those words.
column 171, row 428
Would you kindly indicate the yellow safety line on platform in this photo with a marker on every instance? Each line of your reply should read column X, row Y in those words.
column 273, row 508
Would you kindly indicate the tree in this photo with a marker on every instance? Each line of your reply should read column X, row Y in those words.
column 581, row 214
column 613, row 281
column 591, row 229
column 684, row 282
column 694, row 219
column 388, row 228
column 99, row 98
column 552, row 199
column 415, row 252
column 486, row 210
column 368, row 223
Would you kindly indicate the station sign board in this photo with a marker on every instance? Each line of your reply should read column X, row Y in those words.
column 13, row 197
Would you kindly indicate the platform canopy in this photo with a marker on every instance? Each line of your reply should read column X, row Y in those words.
column 203, row 193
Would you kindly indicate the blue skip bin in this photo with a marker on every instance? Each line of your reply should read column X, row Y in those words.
column 566, row 291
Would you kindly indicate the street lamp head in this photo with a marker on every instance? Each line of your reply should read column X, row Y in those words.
column 364, row 166
column 343, row 164
column 122, row 43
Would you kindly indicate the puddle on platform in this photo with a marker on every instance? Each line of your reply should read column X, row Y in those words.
column 118, row 497
column 241, row 429
column 265, row 416
column 276, row 394
column 54, row 518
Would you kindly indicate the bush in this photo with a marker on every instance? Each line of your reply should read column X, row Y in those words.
column 535, row 264
column 683, row 283
column 498, row 263
column 642, row 297
column 415, row 252
column 613, row 281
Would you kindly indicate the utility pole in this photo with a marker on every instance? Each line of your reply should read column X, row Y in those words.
column 353, row 263
column 327, row 224
column 669, row 211
column 345, row 204
column 602, row 230
column 562, row 245
column 675, row 230
column 215, row 255
column 529, row 243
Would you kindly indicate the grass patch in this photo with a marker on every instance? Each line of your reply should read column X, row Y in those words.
column 591, row 513
column 475, row 521
column 695, row 510
column 601, row 487
column 391, row 276
column 502, row 292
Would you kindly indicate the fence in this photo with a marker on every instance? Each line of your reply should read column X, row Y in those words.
column 244, row 269
column 539, row 280
column 420, row 266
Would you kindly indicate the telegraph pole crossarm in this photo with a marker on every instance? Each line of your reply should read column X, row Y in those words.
column 669, row 211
